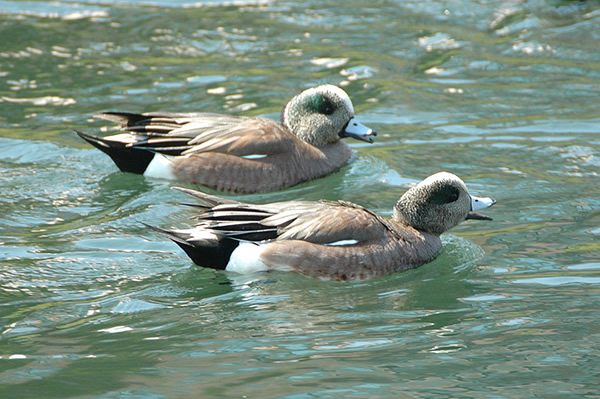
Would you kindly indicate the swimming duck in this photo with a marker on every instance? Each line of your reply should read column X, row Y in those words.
column 235, row 153
column 330, row 240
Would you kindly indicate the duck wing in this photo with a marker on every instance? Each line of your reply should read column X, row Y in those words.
column 322, row 222
column 184, row 134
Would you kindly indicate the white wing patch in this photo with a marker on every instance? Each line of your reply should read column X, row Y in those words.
column 342, row 243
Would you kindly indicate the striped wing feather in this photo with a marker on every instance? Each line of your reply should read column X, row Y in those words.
column 322, row 222
column 185, row 134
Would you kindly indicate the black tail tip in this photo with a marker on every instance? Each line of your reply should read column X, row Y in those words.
column 213, row 255
column 97, row 142
column 127, row 159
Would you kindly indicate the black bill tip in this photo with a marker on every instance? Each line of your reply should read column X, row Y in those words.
column 368, row 137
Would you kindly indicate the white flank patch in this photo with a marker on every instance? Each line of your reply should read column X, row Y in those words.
column 160, row 167
column 342, row 242
column 254, row 156
column 246, row 259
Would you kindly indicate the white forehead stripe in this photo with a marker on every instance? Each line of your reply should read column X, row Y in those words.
column 337, row 92
column 441, row 176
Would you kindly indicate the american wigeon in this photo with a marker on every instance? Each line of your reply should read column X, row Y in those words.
column 234, row 153
column 332, row 240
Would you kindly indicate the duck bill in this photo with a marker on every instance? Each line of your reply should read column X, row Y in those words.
column 478, row 203
column 358, row 131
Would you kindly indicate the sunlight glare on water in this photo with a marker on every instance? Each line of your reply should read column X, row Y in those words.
column 504, row 94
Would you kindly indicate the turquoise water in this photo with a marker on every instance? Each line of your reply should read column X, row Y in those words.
column 504, row 94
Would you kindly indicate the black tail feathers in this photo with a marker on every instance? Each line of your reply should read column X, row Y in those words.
column 212, row 254
column 128, row 159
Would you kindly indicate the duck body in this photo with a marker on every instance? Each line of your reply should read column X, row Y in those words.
column 236, row 153
column 331, row 240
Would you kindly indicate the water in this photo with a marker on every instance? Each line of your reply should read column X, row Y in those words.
column 504, row 94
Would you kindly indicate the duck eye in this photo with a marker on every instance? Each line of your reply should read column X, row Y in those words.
column 321, row 105
column 453, row 196
column 445, row 195
column 328, row 109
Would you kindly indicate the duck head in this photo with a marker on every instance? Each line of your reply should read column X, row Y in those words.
column 439, row 203
column 323, row 115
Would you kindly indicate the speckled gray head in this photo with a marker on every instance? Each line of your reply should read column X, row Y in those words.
column 439, row 203
column 322, row 115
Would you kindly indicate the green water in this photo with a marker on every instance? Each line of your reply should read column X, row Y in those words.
column 503, row 94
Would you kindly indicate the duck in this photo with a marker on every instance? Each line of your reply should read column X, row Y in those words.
column 328, row 240
column 238, row 154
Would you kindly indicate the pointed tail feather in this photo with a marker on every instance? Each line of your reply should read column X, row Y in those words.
column 176, row 236
column 210, row 200
column 211, row 254
column 124, row 119
column 128, row 159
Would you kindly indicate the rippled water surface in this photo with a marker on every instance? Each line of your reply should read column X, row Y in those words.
column 503, row 93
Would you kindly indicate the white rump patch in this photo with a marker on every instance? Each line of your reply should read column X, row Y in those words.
column 246, row 259
column 342, row 243
column 160, row 167
column 255, row 156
